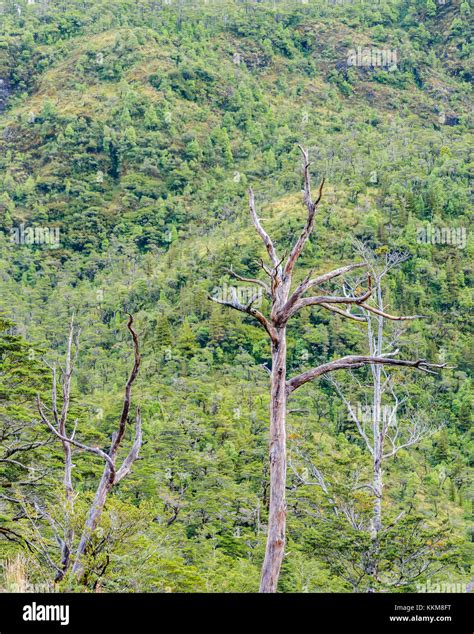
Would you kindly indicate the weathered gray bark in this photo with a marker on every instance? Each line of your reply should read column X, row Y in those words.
column 376, row 348
column 92, row 521
column 284, row 305
column 275, row 547
column 60, row 421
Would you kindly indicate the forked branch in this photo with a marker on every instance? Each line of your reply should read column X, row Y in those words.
column 70, row 440
column 111, row 474
column 311, row 207
column 249, row 309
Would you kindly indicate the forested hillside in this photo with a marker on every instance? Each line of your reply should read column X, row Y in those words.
column 130, row 133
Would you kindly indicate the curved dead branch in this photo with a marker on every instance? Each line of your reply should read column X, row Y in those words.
column 353, row 362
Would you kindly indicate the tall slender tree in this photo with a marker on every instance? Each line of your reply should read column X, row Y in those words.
column 379, row 424
column 285, row 303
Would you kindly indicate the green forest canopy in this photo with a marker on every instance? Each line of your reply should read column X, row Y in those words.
column 134, row 130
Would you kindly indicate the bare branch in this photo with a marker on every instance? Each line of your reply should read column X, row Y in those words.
column 11, row 451
column 65, row 439
column 133, row 455
column 128, row 390
column 110, row 476
column 13, row 536
column 343, row 313
column 308, row 283
column 266, row 268
column 70, row 361
column 326, row 277
column 417, row 432
column 320, row 482
column 381, row 313
column 311, row 207
column 353, row 415
column 250, row 280
column 261, row 231
column 17, row 463
column 353, row 362
column 55, row 397
column 326, row 299
column 42, row 548
column 236, row 305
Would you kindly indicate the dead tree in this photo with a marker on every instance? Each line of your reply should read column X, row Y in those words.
column 112, row 473
column 284, row 304
column 378, row 425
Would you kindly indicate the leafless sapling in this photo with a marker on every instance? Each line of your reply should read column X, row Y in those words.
column 73, row 556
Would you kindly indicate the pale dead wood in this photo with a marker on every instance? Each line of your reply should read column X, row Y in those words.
column 261, row 231
column 308, row 283
column 353, row 361
column 112, row 474
column 250, row 280
column 283, row 306
column 134, row 451
column 311, row 207
column 247, row 308
column 325, row 299
column 382, row 313
column 70, row 440
column 343, row 313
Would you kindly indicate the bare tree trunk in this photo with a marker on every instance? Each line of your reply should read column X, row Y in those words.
column 378, row 453
column 376, row 348
column 61, row 420
column 375, row 337
column 373, row 554
column 285, row 304
column 68, row 512
column 93, row 517
column 378, row 488
column 275, row 547
column 378, row 423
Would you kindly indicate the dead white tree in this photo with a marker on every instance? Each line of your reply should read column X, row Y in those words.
column 112, row 473
column 379, row 424
column 285, row 303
